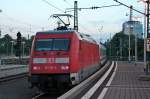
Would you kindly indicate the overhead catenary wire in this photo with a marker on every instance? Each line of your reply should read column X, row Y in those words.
column 93, row 7
column 53, row 6
column 65, row 12
column 60, row 10
column 130, row 7
column 68, row 3
column 82, row 26
column 3, row 26
column 24, row 28
column 7, row 29
column 18, row 25
column 87, row 29
column 19, row 21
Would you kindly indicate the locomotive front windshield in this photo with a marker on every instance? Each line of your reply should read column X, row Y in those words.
column 54, row 44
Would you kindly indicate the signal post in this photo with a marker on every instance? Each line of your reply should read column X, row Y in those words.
column 18, row 46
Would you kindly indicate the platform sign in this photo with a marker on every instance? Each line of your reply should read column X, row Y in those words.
column 148, row 45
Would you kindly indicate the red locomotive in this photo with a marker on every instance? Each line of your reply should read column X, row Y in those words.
column 62, row 56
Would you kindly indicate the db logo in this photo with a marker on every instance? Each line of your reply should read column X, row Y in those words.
column 52, row 53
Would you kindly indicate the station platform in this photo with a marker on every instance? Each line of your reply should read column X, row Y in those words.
column 126, row 83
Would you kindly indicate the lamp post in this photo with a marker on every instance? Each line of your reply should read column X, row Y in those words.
column 145, row 8
column 110, row 47
column 120, row 48
column 146, row 31
column 23, row 43
column 129, row 49
column 6, row 45
column 100, row 31
column 12, row 45
column 0, row 28
column 130, row 31
column 0, row 36
column 136, row 47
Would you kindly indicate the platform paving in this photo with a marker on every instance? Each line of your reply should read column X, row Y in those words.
column 126, row 83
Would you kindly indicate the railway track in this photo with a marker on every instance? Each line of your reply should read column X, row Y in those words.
column 42, row 95
column 54, row 93
column 13, row 77
column 83, row 89
column 38, row 95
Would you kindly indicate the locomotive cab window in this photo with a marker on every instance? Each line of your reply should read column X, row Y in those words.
column 43, row 44
column 55, row 44
column 61, row 44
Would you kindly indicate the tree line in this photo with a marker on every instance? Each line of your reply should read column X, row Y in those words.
column 8, row 45
column 118, row 47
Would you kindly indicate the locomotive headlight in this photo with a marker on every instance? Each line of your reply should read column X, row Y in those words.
column 64, row 67
column 36, row 68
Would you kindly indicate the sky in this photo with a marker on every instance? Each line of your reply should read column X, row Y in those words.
column 31, row 16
